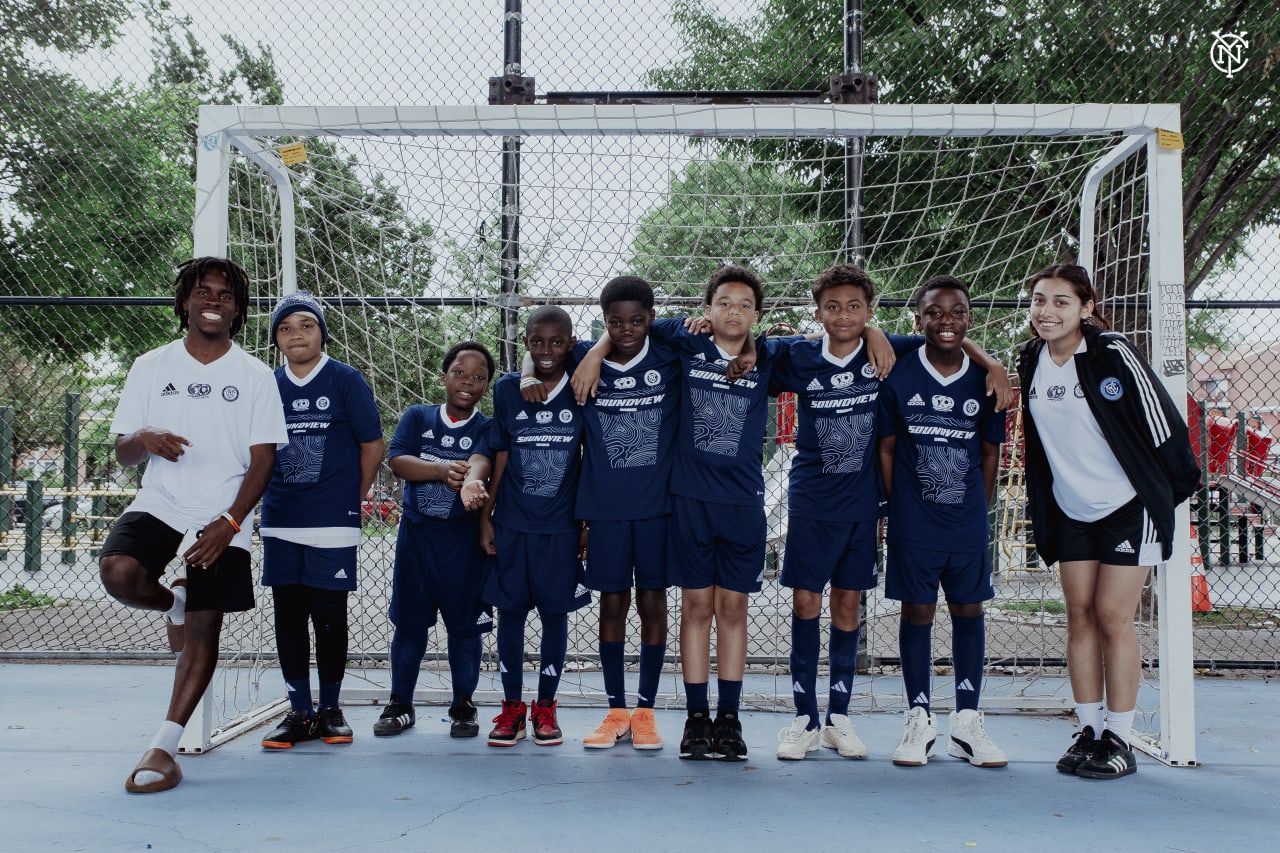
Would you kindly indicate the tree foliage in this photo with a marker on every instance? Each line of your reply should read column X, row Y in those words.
column 942, row 51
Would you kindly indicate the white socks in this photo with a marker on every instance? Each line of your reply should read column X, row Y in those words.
column 177, row 614
column 167, row 739
column 1120, row 723
column 1090, row 714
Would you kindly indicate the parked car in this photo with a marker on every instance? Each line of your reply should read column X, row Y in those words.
column 379, row 507
column 51, row 513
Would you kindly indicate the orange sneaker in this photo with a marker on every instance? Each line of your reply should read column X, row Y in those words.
column 644, row 730
column 616, row 727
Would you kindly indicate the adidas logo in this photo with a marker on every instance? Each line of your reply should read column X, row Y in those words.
column 1124, row 548
column 289, row 687
column 699, row 357
column 522, row 417
column 916, row 400
column 429, row 434
column 815, row 385
column 797, row 689
column 965, row 685
column 485, row 619
column 839, row 687
column 581, row 591
column 550, row 671
column 168, row 390
column 921, row 699
column 341, row 574
column 502, row 667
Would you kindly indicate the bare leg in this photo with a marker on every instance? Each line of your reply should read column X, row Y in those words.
column 651, row 604
column 731, row 633
column 196, row 663
column 697, row 606
column 1084, row 643
column 1115, row 603
column 125, row 580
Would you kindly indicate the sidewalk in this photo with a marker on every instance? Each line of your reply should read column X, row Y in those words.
column 72, row 732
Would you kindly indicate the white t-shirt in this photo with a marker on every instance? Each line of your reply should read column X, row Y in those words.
column 222, row 408
column 1088, row 482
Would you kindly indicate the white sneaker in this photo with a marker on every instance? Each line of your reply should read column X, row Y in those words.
column 917, row 738
column 797, row 741
column 840, row 736
column 968, row 740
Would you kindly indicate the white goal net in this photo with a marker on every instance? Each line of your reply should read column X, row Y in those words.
column 397, row 218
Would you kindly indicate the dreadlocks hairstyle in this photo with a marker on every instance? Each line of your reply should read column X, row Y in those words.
column 189, row 275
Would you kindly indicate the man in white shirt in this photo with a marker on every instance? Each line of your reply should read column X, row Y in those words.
column 206, row 417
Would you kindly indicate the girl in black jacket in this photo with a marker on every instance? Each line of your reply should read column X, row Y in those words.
column 1107, row 460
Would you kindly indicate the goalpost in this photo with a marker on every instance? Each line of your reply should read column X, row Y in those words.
column 387, row 213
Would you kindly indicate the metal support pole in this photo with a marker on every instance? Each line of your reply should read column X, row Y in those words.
column 34, row 525
column 855, row 240
column 70, row 473
column 6, row 476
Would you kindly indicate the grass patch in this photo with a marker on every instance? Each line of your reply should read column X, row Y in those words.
column 1057, row 608
column 19, row 598
column 1237, row 617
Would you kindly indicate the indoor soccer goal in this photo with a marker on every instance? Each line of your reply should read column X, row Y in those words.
column 397, row 217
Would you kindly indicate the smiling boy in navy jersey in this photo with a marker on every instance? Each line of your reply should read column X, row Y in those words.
column 939, row 453
column 439, row 565
column 311, row 515
column 528, row 523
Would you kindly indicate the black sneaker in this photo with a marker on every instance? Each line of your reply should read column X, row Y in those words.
column 1111, row 759
column 296, row 727
column 729, row 745
column 333, row 726
column 396, row 717
column 463, row 716
column 1079, row 751
column 696, row 744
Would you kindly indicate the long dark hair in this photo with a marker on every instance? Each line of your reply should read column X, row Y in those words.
column 1078, row 278
column 189, row 275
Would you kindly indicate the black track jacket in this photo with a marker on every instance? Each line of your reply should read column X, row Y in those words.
column 1139, row 421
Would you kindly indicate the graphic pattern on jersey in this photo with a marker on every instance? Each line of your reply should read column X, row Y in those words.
column 942, row 471
column 435, row 499
column 302, row 458
column 717, row 421
column 843, row 440
column 543, row 469
column 631, row 438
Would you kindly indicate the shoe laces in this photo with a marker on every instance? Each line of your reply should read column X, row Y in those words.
column 794, row 733
column 543, row 715
column 509, row 714
column 644, row 724
column 917, row 730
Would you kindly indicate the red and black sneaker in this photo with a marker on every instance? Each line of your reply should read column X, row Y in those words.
column 509, row 725
column 546, row 731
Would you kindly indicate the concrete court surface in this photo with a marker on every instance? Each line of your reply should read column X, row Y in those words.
column 72, row 733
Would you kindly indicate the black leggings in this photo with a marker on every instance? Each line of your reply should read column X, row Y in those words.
column 327, row 610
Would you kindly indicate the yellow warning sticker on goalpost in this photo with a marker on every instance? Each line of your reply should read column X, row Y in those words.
column 297, row 153
column 1165, row 139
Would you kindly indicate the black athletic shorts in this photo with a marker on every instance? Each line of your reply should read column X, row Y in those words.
column 226, row 586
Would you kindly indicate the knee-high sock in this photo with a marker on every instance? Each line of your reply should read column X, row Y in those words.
column 408, row 645
column 805, row 645
column 968, row 652
column 293, row 644
column 511, row 653
column 651, row 659
column 464, row 665
column 614, row 672
column 329, row 617
column 915, row 647
column 555, row 642
column 844, row 665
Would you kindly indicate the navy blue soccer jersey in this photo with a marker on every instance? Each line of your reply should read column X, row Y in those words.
column 426, row 433
column 835, row 474
column 542, row 440
column 720, row 444
column 629, row 443
column 939, row 499
column 316, row 483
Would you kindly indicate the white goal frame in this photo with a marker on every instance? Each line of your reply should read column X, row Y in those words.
column 222, row 128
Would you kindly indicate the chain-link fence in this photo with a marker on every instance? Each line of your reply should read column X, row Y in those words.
column 98, row 106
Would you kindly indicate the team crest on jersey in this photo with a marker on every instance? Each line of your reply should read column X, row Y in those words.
column 868, row 370
column 652, row 377
column 446, row 441
column 543, row 417
column 198, row 390
column 301, row 405
column 1079, row 392
column 230, row 393
column 1111, row 388
column 842, row 380
column 465, row 442
column 943, row 403
column 916, row 400
column 623, row 383
column 322, row 403
column 566, row 416
column 971, row 407
column 1057, row 392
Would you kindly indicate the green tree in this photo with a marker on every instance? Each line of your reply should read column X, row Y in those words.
column 940, row 51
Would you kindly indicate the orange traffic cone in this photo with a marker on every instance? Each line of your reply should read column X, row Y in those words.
column 1200, row 601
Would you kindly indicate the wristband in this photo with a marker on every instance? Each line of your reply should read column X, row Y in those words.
column 529, row 382
column 231, row 519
